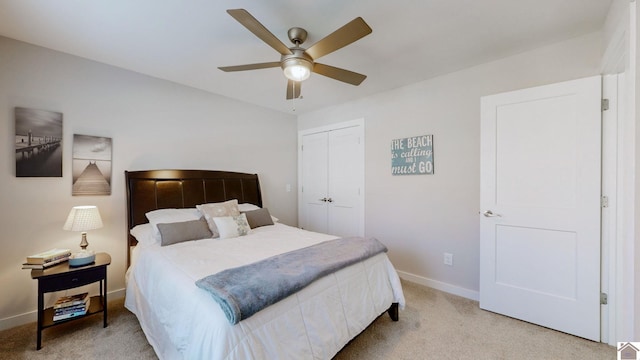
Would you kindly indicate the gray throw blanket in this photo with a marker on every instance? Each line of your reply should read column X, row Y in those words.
column 243, row 291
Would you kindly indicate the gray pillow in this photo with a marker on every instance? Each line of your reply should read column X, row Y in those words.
column 259, row 217
column 173, row 233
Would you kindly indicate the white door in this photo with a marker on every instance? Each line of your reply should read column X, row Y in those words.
column 314, row 180
column 540, row 205
column 332, row 176
column 346, row 169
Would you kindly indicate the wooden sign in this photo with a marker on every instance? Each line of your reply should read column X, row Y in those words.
column 412, row 155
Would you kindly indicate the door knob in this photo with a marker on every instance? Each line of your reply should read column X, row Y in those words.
column 323, row 199
column 489, row 213
column 330, row 200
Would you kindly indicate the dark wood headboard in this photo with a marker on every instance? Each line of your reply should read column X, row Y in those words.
column 149, row 190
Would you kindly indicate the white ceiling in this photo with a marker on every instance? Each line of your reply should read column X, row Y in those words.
column 186, row 40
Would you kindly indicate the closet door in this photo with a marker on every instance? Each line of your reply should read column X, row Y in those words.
column 315, row 167
column 346, row 167
column 332, row 178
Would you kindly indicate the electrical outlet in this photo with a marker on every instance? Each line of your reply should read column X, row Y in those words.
column 448, row 259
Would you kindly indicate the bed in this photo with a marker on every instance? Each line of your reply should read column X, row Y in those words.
column 183, row 321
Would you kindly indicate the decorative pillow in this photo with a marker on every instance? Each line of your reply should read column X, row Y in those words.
column 143, row 234
column 176, row 232
column 246, row 207
column 214, row 210
column 165, row 216
column 258, row 217
column 232, row 226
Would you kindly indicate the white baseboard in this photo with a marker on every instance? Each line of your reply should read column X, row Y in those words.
column 32, row 316
column 439, row 285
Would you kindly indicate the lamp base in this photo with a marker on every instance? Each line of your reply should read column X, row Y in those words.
column 82, row 258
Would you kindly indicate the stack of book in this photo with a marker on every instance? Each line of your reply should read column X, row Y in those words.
column 46, row 259
column 68, row 307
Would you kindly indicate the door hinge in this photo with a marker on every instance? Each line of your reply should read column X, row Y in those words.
column 604, row 201
column 605, row 104
column 603, row 298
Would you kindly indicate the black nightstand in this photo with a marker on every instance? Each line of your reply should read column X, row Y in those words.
column 64, row 277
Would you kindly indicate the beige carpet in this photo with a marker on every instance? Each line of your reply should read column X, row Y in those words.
column 434, row 325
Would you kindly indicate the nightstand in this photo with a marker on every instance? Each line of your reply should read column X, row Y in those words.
column 63, row 277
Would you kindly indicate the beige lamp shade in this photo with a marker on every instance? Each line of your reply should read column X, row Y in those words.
column 83, row 218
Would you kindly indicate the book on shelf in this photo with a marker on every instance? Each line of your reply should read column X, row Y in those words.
column 72, row 300
column 29, row 265
column 68, row 315
column 48, row 256
column 70, row 309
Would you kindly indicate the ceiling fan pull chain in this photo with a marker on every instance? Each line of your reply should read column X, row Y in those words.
column 294, row 95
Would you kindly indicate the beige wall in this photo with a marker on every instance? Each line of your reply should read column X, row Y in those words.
column 153, row 124
column 420, row 217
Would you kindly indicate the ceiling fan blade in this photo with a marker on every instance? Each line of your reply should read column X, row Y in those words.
column 352, row 31
column 250, row 66
column 251, row 23
column 293, row 89
column 343, row 75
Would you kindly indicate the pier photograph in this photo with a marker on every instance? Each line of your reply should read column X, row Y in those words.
column 91, row 165
column 38, row 143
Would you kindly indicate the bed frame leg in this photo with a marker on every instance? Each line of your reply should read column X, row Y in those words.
column 393, row 312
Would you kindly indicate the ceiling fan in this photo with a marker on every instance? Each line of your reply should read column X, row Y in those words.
column 298, row 63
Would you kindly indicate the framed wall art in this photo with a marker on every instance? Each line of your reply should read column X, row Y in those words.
column 91, row 165
column 38, row 143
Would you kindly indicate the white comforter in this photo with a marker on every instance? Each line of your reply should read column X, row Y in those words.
column 181, row 321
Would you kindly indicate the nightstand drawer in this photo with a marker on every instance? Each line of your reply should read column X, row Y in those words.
column 73, row 279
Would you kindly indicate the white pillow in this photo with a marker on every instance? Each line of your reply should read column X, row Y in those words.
column 244, row 207
column 143, row 234
column 232, row 226
column 167, row 216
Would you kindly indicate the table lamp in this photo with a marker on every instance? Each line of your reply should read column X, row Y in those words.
column 83, row 218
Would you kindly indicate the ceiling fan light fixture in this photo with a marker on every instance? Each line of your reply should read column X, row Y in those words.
column 296, row 62
column 297, row 69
